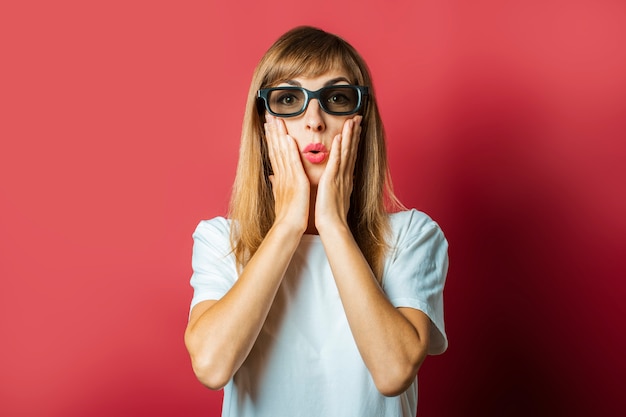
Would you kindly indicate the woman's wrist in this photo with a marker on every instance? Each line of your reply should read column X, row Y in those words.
column 287, row 229
column 332, row 228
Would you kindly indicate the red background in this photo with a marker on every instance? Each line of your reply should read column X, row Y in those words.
column 119, row 128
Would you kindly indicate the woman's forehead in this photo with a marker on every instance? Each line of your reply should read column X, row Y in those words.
column 313, row 72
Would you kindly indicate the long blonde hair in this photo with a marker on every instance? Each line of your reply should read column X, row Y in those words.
column 311, row 52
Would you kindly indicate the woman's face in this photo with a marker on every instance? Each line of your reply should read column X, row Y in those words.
column 315, row 129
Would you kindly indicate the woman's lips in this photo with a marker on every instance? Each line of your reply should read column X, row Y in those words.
column 315, row 153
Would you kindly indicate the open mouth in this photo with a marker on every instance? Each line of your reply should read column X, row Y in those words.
column 315, row 153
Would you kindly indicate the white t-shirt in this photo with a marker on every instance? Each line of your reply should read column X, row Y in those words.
column 305, row 361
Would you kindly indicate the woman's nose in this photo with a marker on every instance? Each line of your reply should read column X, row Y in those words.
column 314, row 116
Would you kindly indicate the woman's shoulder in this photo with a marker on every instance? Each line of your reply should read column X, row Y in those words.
column 411, row 218
column 217, row 226
column 412, row 223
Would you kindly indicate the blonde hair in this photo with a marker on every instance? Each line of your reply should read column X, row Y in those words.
column 311, row 52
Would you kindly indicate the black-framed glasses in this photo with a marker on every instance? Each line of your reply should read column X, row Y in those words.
column 338, row 100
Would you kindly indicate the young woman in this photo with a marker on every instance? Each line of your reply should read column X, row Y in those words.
column 319, row 295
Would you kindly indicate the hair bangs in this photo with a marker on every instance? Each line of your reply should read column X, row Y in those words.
column 312, row 59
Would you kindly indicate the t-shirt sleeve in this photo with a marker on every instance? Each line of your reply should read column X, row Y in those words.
column 416, row 271
column 213, row 263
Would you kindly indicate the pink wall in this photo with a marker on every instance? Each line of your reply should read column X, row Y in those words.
column 119, row 127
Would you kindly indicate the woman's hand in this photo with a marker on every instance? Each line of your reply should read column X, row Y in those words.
column 392, row 342
column 336, row 183
column 290, row 184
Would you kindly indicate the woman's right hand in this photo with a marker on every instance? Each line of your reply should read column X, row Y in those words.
column 290, row 185
column 221, row 333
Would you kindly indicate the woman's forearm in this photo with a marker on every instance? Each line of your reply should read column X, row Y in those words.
column 220, row 334
column 392, row 345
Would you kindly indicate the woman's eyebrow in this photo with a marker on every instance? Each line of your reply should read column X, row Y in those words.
column 326, row 84
column 336, row 80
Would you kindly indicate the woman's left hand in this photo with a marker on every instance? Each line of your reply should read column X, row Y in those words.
column 336, row 183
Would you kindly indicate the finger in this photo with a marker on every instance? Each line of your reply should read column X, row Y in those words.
column 355, row 140
column 356, row 131
column 286, row 158
column 334, row 159
column 270, row 133
column 348, row 150
column 277, row 140
column 280, row 126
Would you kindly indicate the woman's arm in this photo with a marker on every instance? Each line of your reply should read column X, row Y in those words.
column 392, row 342
column 220, row 334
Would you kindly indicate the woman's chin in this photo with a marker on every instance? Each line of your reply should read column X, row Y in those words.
column 314, row 174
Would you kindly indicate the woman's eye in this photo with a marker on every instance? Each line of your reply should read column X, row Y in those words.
column 287, row 99
column 338, row 99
